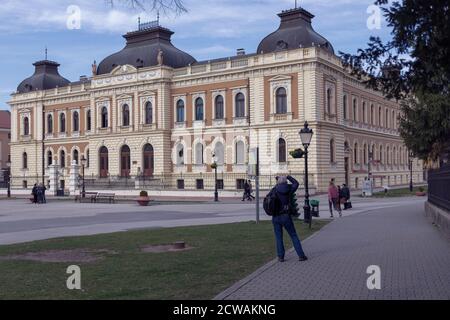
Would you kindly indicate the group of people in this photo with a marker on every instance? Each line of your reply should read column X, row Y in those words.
column 337, row 195
column 38, row 193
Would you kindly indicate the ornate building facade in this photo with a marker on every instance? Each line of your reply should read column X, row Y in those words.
column 151, row 116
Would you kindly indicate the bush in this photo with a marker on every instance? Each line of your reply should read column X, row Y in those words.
column 421, row 189
column 143, row 194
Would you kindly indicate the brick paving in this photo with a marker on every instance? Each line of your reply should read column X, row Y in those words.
column 413, row 256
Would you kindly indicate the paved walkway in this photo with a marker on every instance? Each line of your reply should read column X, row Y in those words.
column 413, row 256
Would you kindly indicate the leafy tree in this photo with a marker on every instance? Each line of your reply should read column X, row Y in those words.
column 164, row 6
column 414, row 67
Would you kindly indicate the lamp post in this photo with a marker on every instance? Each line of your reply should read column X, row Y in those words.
column 83, row 164
column 306, row 136
column 410, row 160
column 214, row 166
column 8, row 178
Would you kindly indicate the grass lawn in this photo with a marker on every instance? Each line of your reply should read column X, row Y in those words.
column 221, row 255
column 399, row 192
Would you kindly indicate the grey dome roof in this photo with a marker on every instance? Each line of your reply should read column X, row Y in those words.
column 142, row 50
column 46, row 76
column 295, row 31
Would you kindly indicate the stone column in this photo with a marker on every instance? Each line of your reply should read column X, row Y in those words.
column 73, row 181
column 53, row 172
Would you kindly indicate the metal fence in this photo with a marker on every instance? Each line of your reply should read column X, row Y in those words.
column 439, row 187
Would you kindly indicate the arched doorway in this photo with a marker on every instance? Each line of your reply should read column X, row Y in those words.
column 104, row 162
column 125, row 161
column 149, row 164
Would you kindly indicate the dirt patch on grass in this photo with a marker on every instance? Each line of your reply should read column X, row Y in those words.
column 73, row 255
column 164, row 248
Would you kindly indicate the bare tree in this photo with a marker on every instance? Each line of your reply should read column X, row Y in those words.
column 163, row 6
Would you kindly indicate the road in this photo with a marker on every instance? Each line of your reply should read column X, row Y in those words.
column 21, row 221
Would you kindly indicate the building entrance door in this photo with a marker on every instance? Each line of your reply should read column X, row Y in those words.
column 346, row 166
column 148, row 160
column 125, row 161
column 104, row 162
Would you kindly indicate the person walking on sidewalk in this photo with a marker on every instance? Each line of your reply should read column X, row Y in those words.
column 283, row 218
column 333, row 198
column 346, row 196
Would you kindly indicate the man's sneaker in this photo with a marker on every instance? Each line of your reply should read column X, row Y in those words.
column 304, row 258
column 280, row 259
column 331, row 216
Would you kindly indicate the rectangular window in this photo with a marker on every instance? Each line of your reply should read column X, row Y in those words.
column 220, row 184
column 240, row 184
column 180, row 184
column 25, row 184
column 199, row 184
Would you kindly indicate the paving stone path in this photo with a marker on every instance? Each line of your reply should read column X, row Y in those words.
column 413, row 256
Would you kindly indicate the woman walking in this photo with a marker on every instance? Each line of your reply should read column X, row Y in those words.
column 333, row 198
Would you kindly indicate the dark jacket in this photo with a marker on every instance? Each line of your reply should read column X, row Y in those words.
column 345, row 192
column 284, row 190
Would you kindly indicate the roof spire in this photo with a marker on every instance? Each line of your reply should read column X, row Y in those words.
column 46, row 53
column 139, row 23
column 295, row 4
column 157, row 17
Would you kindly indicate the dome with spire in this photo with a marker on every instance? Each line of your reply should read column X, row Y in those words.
column 46, row 76
column 295, row 31
column 149, row 46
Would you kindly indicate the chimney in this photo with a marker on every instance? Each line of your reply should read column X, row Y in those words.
column 240, row 52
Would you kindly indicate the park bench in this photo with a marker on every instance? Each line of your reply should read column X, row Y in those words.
column 105, row 196
column 91, row 196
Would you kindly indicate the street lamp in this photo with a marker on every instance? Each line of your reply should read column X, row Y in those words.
column 83, row 164
column 8, row 178
column 306, row 136
column 410, row 160
column 214, row 166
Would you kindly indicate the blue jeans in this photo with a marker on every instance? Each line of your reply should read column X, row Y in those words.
column 285, row 220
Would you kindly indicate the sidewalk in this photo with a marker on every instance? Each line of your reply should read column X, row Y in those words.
column 414, row 259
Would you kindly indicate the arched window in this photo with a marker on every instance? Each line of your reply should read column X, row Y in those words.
column 344, row 103
column 393, row 119
column 240, row 105
column 180, row 111
column 354, row 110
column 49, row 158
column 125, row 161
column 125, row 115
column 87, row 158
column 355, row 153
column 379, row 116
column 372, row 119
column 75, row 156
column 76, row 122
column 386, row 123
column 365, row 154
column 49, row 124
column 148, row 113
column 240, row 155
column 281, row 101
column 26, row 126
column 25, row 160
column 388, row 158
column 218, row 105
column 364, row 112
column 62, row 158
column 329, row 100
column 149, row 160
column 199, row 154
column 219, row 152
column 104, row 162
column 62, row 123
column 281, row 150
column 199, row 109
column 180, row 154
column 332, row 156
column 104, row 117
column 88, row 120
column 381, row 155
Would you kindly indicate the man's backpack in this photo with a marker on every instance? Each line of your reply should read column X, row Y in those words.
column 272, row 203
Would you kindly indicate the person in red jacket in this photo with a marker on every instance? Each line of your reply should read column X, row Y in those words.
column 333, row 198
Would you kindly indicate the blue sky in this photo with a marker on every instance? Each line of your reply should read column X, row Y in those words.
column 211, row 29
